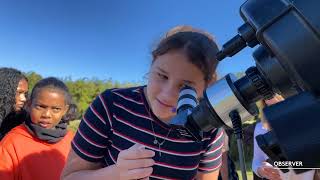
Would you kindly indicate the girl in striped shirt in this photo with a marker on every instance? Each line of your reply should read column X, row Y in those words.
column 125, row 134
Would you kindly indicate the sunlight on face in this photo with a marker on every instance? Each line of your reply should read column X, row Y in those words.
column 168, row 74
column 21, row 95
column 47, row 108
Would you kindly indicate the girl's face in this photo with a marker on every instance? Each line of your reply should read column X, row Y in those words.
column 21, row 95
column 168, row 73
column 48, row 107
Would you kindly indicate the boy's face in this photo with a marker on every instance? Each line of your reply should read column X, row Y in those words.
column 21, row 95
column 48, row 107
column 168, row 74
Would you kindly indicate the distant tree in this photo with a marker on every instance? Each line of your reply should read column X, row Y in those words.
column 117, row 84
column 33, row 78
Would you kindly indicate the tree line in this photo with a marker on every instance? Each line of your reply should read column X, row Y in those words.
column 83, row 90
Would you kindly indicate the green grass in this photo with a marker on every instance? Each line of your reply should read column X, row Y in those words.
column 248, row 169
column 249, row 175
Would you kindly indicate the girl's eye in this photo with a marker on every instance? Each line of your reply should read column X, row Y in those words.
column 56, row 109
column 185, row 84
column 162, row 76
column 39, row 107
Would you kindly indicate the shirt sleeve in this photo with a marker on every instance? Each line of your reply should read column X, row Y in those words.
column 212, row 157
column 7, row 170
column 258, row 155
column 92, row 137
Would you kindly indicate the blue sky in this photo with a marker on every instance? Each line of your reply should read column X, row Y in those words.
column 106, row 38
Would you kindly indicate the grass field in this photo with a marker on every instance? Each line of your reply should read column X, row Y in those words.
column 249, row 175
column 248, row 169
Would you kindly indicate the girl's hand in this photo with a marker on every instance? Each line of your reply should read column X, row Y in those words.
column 269, row 172
column 135, row 163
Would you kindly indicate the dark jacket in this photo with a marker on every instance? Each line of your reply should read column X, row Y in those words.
column 10, row 121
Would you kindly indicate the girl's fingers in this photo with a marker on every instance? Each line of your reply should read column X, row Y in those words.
column 139, row 173
column 138, row 163
column 136, row 151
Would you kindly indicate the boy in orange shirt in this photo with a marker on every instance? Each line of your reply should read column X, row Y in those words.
column 37, row 149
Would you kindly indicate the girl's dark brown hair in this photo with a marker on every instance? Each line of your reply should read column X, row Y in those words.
column 9, row 80
column 198, row 45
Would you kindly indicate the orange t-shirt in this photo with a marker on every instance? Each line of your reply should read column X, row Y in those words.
column 25, row 157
